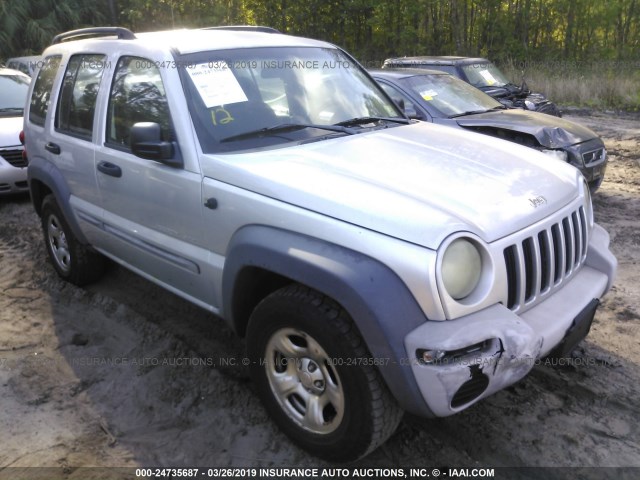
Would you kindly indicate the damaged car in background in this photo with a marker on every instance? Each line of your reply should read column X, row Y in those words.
column 438, row 97
column 485, row 76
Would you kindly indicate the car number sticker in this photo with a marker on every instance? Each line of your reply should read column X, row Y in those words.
column 216, row 84
column 428, row 94
column 486, row 74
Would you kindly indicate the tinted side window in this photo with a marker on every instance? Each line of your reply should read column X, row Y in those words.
column 42, row 90
column 77, row 100
column 137, row 95
column 398, row 97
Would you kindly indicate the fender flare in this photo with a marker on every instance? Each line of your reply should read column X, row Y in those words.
column 46, row 172
column 377, row 300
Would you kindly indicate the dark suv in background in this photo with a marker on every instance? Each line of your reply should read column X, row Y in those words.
column 482, row 74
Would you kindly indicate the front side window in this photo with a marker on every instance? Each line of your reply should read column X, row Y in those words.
column 42, row 90
column 137, row 95
column 77, row 101
column 261, row 97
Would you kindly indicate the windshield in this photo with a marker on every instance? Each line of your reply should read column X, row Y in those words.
column 237, row 97
column 448, row 95
column 13, row 94
column 485, row 75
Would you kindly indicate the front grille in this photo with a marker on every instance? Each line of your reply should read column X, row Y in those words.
column 542, row 262
column 14, row 157
column 548, row 108
column 593, row 156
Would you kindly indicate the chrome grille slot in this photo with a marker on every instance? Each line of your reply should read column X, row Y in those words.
column 577, row 237
column 568, row 244
column 545, row 260
column 529, row 268
column 540, row 263
column 558, row 260
column 583, row 231
column 593, row 156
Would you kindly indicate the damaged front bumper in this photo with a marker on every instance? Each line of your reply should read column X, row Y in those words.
column 458, row 362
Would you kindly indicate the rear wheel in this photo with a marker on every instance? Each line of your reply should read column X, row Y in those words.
column 73, row 261
column 316, row 377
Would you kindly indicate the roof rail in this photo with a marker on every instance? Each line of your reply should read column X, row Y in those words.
column 245, row 28
column 120, row 32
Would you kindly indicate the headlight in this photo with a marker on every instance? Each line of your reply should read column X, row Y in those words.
column 557, row 154
column 461, row 268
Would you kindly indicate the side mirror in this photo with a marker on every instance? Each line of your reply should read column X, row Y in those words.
column 409, row 111
column 412, row 113
column 146, row 142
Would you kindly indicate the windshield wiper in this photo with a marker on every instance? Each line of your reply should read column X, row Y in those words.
column 286, row 127
column 469, row 112
column 364, row 120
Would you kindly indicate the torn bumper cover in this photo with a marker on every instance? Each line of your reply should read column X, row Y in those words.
column 458, row 362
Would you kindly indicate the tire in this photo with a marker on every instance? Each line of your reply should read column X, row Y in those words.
column 72, row 261
column 330, row 399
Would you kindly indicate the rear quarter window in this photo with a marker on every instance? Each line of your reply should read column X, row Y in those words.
column 41, row 96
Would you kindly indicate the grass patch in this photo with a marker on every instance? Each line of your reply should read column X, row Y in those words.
column 600, row 86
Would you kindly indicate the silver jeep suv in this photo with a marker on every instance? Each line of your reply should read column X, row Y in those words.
column 374, row 264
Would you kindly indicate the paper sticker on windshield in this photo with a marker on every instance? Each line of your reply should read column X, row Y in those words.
column 216, row 84
column 486, row 74
column 428, row 94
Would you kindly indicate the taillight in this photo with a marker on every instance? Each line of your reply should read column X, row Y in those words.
column 24, row 150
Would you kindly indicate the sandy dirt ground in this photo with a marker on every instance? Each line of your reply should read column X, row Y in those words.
column 124, row 374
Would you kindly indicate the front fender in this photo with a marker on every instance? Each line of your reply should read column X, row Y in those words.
column 374, row 296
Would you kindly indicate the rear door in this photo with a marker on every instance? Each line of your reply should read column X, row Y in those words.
column 61, row 128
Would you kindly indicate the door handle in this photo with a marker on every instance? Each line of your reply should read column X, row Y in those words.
column 110, row 169
column 53, row 148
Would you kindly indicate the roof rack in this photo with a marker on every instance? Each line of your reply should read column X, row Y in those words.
column 120, row 32
column 245, row 28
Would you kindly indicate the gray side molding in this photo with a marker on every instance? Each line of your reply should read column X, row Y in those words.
column 47, row 173
column 376, row 298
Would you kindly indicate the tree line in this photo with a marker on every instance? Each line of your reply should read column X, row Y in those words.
column 514, row 30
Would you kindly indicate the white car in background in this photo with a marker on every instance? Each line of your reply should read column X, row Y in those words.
column 27, row 65
column 14, row 86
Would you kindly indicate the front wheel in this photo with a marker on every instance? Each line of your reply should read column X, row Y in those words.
column 315, row 375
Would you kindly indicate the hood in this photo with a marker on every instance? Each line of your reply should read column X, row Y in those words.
column 495, row 92
column 418, row 183
column 550, row 131
column 10, row 128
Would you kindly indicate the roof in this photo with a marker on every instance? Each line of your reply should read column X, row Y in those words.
column 184, row 41
column 12, row 72
column 436, row 60
column 31, row 58
column 190, row 41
